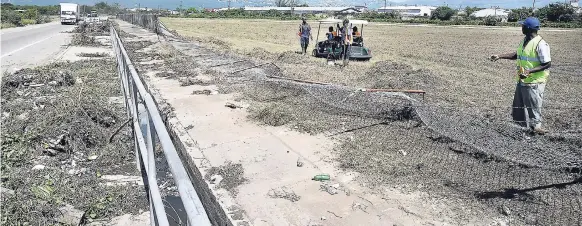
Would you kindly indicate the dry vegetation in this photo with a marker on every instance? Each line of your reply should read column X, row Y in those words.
column 56, row 125
column 63, row 130
column 451, row 64
column 381, row 135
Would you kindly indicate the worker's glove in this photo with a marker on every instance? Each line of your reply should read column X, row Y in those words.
column 524, row 75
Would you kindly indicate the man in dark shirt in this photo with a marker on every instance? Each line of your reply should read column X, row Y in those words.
column 305, row 35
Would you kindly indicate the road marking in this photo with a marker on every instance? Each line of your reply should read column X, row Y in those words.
column 26, row 46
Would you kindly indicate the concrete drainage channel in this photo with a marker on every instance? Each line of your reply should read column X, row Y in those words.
column 191, row 201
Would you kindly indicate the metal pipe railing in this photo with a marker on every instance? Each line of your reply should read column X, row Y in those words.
column 147, row 124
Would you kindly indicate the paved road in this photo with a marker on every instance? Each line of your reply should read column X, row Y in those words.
column 32, row 45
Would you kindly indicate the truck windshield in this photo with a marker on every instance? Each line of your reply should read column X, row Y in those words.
column 67, row 13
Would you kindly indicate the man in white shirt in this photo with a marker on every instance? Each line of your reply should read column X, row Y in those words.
column 533, row 63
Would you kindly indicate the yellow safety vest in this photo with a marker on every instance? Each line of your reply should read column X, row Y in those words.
column 527, row 58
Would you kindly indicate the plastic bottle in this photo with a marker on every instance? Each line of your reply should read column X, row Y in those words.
column 321, row 177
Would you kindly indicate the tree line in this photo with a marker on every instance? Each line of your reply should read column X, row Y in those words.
column 553, row 14
column 20, row 15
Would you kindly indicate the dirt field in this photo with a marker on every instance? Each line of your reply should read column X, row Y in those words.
column 451, row 64
column 462, row 146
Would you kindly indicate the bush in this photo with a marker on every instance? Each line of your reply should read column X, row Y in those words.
column 443, row 13
column 27, row 22
column 31, row 14
column 490, row 21
column 47, row 19
column 11, row 17
column 42, row 19
column 566, row 18
column 7, row 25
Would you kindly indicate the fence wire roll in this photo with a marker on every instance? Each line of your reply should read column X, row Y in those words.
column 483, row 163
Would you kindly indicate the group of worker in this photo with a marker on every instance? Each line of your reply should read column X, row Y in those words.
column 333, row 35
column 342, row 37
column 533, row 64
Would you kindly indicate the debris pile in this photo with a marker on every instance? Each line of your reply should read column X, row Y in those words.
column 56, row 123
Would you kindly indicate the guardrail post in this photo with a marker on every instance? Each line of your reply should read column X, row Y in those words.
column 134, row 110
column 146, row 129
column 144, row 124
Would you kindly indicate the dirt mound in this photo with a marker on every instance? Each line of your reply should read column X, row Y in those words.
column 393, row 75
column 95, row 29
column 287, row 57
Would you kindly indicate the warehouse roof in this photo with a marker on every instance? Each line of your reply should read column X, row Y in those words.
column 490, row 12
column 250, row 8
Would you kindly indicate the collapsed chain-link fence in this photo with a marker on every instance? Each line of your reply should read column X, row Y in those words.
column 482, row 163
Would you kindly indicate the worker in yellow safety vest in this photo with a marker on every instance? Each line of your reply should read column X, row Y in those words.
column 533, row 63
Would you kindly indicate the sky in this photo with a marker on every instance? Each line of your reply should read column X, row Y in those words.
column 172, row 4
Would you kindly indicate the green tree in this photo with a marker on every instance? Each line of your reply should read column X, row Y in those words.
column 443, row 13
column 7, row 6
column 31, row 13
column 192, row 10
column 519, row 14
column 393, row 15
column 9, row 16
column 490, row 21
column 554, row 11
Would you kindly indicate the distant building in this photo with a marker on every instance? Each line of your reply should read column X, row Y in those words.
column 139, row 9
column 500, row 13
column 409, row 11
column 309, row 10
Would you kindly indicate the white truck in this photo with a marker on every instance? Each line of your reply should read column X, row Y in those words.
column 92, row 17
column 70, row 13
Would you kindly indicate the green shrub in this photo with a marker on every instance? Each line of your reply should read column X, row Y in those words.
column 490, row 21
column 31, row 14
column 47, row 19
column 42, row 19
column 443, row 13
column 7, row 25
column 11, row 17
column 27, row 22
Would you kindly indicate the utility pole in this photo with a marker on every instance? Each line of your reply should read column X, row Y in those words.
column 533, row 7
column 180, row 11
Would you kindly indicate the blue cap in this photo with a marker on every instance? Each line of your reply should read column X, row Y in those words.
column 531, row 23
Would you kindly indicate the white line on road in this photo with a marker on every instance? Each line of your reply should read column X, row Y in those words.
column 26, row 46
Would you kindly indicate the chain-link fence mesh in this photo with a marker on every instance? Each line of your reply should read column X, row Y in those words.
column 481, row 162
column 148, row 21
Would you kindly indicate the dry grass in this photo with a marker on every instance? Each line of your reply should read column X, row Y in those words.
column 84, row 34
column 232, row 176
column 57, row 116
column 92, row 54
column 450, row 63
column 271, row 114
column 379, row 136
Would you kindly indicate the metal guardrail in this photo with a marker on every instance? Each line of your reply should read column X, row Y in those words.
column 147, row 125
